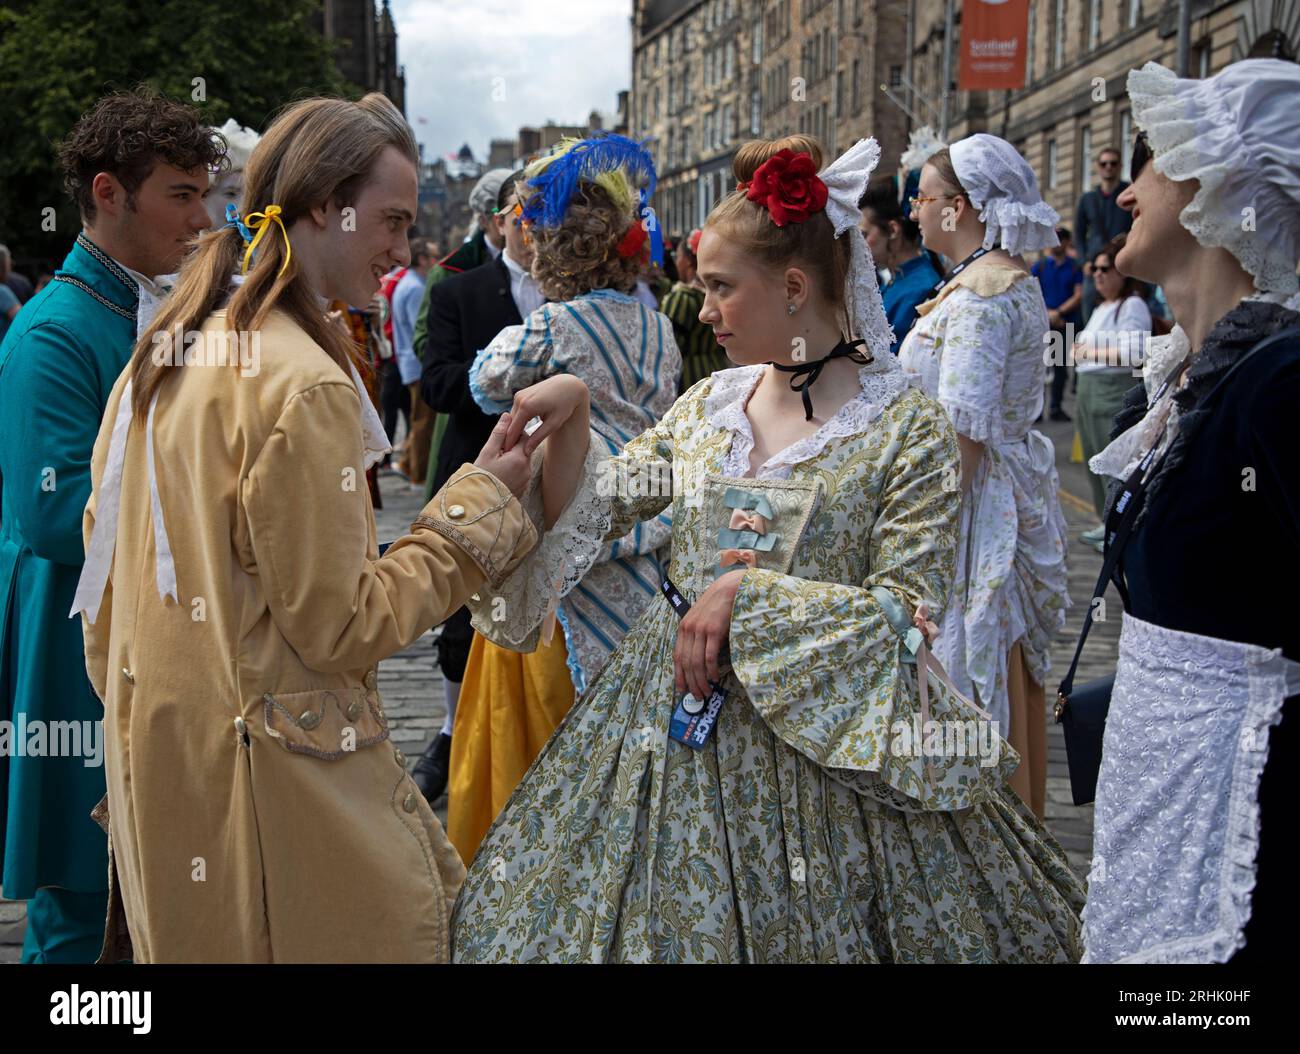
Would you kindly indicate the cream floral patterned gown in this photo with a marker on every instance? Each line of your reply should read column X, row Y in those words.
column 978, row 349
column 799, row 832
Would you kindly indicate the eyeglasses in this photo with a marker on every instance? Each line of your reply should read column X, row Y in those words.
column 1101, row 269
column 917, row 200
column 1108, row 164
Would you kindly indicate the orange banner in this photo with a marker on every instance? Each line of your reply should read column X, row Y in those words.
column 993, row 44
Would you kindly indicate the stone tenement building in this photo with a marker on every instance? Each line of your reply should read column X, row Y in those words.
column 709, row 74
column 367, row 51
column 1074, row 102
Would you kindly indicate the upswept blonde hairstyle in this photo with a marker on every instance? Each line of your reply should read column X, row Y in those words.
column 811, row 245
column 581, row 254
column 316, row 150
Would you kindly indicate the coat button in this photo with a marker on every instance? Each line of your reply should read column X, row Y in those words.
column 408, row 803
column 354, row 709
column 130, row 677
column 309, row 720
column 371, row 680
column 456, row 511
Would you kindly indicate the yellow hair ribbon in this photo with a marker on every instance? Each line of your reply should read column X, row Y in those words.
column 260, row 221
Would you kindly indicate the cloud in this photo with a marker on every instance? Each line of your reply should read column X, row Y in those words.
column 479, row 70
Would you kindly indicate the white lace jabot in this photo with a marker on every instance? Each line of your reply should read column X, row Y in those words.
column 724, row 408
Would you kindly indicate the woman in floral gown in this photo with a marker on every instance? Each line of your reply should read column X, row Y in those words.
column 978, row 349
column 810, row 826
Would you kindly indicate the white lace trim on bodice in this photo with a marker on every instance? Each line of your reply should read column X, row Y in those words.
column 724, row 408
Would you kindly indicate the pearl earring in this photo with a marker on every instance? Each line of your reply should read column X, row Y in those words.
column 790, row 309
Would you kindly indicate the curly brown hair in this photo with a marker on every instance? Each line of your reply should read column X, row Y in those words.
column 127, row 134
column 581, row 253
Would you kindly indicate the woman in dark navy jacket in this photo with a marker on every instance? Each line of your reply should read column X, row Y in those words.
column 1192, row 817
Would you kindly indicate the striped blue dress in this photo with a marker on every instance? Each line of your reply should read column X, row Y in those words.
column 627, row 356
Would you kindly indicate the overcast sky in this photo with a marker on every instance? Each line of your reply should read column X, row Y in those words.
column 479, row 69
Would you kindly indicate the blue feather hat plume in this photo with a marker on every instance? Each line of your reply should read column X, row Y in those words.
column 602, row 158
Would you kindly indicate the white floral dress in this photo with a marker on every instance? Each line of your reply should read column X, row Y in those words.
column 978, row 349
column 800, row 831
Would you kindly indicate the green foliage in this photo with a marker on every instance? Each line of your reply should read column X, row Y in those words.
column 58, row 56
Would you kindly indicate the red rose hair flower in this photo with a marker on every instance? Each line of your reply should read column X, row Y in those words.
column 787, row 185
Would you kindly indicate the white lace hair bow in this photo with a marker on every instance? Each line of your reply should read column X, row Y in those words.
column 1238, row 134
column 1000, row 183
column 846, row 181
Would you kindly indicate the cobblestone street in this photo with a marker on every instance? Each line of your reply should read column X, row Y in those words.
column 413, row 697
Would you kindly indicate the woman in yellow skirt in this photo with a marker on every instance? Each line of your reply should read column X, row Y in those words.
column 590, row 246
column 518, row 702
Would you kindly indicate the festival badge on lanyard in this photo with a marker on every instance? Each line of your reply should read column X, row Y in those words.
column 693, row 719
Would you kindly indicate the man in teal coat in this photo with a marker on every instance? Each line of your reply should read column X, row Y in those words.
column 138, row 166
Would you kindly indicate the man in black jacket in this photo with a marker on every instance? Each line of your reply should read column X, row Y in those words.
column 1099, row 219
column 465, row 312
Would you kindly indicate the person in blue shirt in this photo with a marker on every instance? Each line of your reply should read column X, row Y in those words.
column 137, row 165
column 895, row 243
column 1061, row 279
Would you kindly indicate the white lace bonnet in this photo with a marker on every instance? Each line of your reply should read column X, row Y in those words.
column 1000, row 183
column 922, row 144
column 1238, row 133
column 846, row 181
column 240, row 142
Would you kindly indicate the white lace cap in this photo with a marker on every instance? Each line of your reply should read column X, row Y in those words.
column 846, row 181
column 922, row 144
column 1238, row 134
column 1000, row 183
column 240, row 142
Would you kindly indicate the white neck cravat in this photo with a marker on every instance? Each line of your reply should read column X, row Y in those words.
column 151, row 293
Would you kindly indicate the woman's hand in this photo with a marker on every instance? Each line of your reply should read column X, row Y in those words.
column 703, row 631
column 554, row 400
column 511, row 466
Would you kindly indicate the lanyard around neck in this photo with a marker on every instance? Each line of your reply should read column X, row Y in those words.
column 981, row 251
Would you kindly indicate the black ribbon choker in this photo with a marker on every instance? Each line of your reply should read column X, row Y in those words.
column 810, row 371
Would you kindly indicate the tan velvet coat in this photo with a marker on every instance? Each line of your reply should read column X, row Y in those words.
column 258, row 811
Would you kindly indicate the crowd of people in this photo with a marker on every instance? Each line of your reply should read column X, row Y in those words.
column 746, row 551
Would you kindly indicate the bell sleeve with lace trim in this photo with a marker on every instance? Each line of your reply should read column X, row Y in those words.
column 828, row 670
column 614, row 494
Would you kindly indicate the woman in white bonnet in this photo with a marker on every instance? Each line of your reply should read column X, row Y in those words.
column 978, row 348
column 1189, row 844
column 228, row 186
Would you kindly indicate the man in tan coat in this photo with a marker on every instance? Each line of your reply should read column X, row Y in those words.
column 235, row 602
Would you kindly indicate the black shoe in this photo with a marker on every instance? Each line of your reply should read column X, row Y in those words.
column 430, row 772
column 1059, row 415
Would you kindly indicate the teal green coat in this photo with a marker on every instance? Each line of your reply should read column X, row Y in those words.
column 58, row 363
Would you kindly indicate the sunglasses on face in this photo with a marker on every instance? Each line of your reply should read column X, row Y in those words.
column 516, row 211
column 1101, row 269
column 1108, row 164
